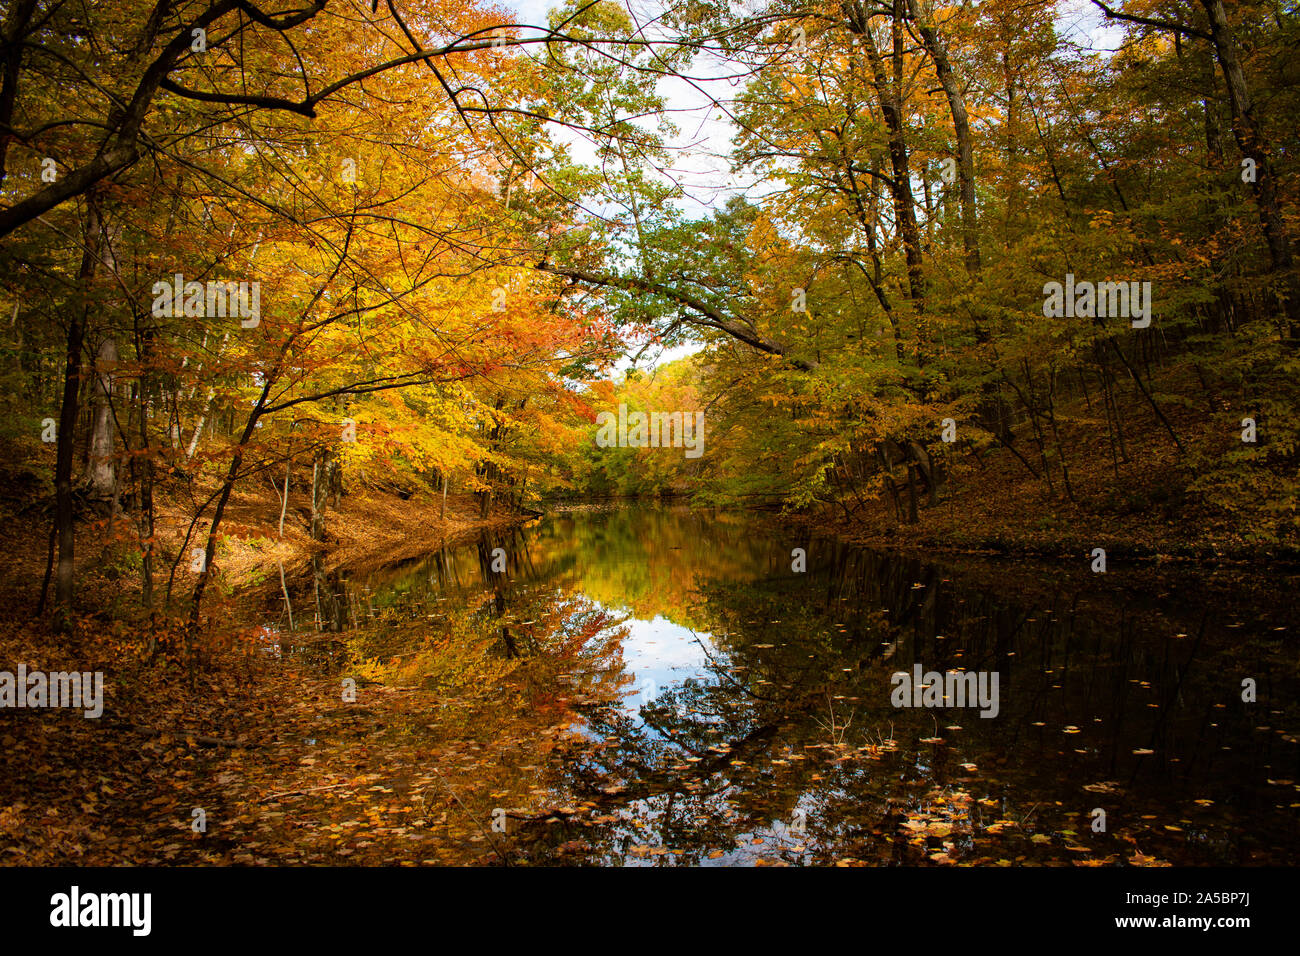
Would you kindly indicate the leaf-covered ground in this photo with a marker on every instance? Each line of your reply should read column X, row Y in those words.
column 282, row 769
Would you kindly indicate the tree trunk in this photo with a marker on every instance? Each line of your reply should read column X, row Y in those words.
column 145, row 521
column 64, row 578
column 322, row 484
column 961, row 127
column 11, row 51
column 101, row 478
column 1246, row 130
column 890, row 95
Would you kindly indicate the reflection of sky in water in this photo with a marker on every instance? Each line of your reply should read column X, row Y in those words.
column 658, row 654
column 760, row 804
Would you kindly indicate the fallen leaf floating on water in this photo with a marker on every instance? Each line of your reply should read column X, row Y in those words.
column 1105, row 786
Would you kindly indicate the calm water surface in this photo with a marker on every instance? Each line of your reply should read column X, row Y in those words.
column 736, row 711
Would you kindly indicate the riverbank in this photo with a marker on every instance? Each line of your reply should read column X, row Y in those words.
column 1184, row 487
column 999, row 514
column 205, row 753
column 367, row 526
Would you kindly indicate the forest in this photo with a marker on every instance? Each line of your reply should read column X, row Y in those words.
column 372, row 362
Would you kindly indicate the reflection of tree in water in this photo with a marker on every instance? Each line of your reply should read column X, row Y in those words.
column 792, row 713
column 648, row 559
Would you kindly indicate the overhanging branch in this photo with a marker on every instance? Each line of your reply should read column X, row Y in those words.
column 711, row 317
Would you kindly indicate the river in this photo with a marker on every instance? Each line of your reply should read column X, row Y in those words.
column 727, row 705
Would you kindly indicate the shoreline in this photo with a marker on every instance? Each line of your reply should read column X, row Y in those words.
column 1005, row 541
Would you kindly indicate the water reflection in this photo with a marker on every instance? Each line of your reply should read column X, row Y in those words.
column 733, row 710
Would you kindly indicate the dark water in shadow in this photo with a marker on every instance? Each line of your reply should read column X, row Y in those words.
column 736, row 711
